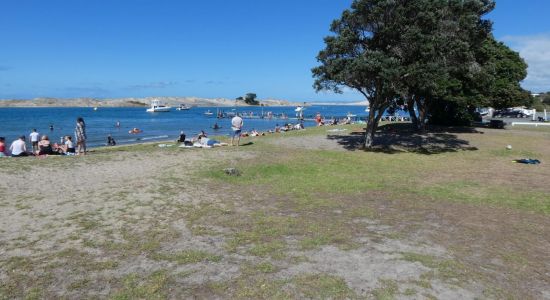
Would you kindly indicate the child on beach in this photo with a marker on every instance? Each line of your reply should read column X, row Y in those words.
column 68, row 146
column 34, row 137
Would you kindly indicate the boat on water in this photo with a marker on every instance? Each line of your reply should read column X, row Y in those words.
column 299, row 109
column 208, row 113
column 95, row 108
column 156, row 106
column 183, row 107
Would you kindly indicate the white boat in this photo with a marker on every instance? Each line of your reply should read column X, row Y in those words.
column 95, row 108
column 350, row 115
column 183, row 107
column 299, row 109
column 208, row 113
column 156, row 106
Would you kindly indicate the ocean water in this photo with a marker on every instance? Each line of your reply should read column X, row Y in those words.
column 156, row 126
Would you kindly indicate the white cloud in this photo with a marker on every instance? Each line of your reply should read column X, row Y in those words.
column 535, row 49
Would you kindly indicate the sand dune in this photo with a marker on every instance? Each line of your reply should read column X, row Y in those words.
column 134, row 102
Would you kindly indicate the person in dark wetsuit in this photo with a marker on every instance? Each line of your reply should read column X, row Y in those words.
column 111, row 141
column 181, row 139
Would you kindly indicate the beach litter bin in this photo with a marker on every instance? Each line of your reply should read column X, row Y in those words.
column 498, row 124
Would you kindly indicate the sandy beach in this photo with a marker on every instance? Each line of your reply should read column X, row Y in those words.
column 148, row 222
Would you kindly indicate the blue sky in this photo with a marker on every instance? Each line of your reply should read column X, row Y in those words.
column 216, row 48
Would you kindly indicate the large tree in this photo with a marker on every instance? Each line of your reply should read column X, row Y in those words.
column 361, row 55
column 442, row 39
column 414, row 50
column 507, row 69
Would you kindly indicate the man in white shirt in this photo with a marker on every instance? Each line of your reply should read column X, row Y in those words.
column 18, row 148
column 236, row 126
column 34, row 137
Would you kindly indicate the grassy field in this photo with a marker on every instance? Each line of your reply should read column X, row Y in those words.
column 442, row 215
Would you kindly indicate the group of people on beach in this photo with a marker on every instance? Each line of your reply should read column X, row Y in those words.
column 42, row 146
column 320, row 121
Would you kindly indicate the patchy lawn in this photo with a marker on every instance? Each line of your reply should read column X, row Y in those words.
column 442, row 215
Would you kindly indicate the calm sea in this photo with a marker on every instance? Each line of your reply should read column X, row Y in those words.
column 156, row 126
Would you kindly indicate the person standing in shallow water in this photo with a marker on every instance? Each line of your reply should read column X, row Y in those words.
column 80, row 135
column 34, row 137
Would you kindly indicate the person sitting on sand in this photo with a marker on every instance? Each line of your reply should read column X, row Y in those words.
column 135, row 131
column 3, row 147
column 277, row 128
column 181, row 138
column 44, row 146
column 111, row 141
column 68, row 146
column 18, row 148
column 298, row 126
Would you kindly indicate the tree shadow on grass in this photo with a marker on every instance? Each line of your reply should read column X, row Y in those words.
column 400, row 138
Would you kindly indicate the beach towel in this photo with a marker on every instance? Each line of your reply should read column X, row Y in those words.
column 528, row 161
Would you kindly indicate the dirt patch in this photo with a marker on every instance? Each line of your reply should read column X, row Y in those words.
column 145, row 224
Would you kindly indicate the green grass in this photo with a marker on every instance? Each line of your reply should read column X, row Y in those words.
column 311, row 177
column 323, row 286
column 477, row 193
column 151, row 287
column 387, row 291
column 445, row 269
column 188, row 257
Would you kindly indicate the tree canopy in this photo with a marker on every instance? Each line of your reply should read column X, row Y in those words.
column 435, row 56
column 249, row 98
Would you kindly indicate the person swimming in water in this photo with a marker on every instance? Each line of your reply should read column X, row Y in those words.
column 135, row 131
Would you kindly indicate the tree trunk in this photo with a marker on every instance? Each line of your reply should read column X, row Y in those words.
column 412, row 113
column 372, row 125
column 371, row 129
column 422, row 109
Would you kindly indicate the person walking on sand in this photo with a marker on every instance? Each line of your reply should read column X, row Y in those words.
column 236, row 126
column 80, row 135
column 34, row 137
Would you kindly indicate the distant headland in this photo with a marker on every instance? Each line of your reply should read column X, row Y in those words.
column 136, row 102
